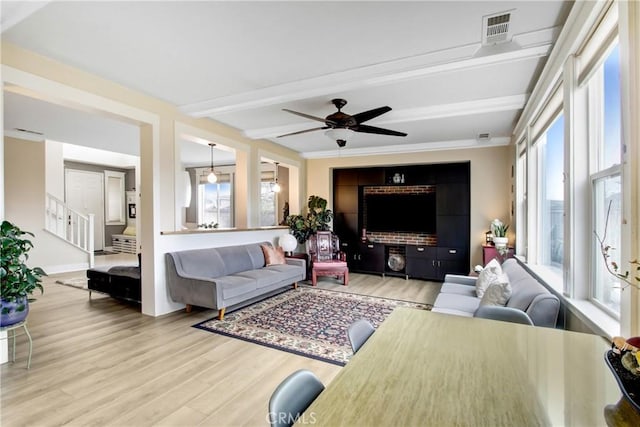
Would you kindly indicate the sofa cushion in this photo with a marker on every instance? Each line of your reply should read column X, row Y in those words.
column 498, row 292
column 452, row 311
column 218, row 262
column 457, row 288
column 272, row 274
column 458, row 302
column 487, row 276
column 234, row 285
column 272, row 256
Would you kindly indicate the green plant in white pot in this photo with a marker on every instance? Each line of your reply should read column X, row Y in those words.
column 17, row 280
column 499, row 231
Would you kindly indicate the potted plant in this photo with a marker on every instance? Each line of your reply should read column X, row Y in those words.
column 499, row 231
column 17, row 280
column 317, row 219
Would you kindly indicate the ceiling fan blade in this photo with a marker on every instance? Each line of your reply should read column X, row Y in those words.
column 373, row 129
column 302, row 131
column 371, row 114
column 318, row 119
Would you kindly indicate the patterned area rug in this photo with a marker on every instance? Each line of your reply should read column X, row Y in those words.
column 307, row 321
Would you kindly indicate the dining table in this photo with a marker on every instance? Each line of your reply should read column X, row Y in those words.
column 421, row 368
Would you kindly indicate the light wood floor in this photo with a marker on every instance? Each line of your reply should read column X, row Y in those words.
column 101, row 362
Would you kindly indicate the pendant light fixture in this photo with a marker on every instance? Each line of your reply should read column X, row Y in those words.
column 276, row 187
column 212, row 178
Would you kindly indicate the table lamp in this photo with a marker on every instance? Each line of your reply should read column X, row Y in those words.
column 288, row 243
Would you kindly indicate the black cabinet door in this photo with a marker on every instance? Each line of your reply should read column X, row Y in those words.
column 452, row 199
column 421, row 262
column 371, row 258
column 452, row 260
column 453, row 230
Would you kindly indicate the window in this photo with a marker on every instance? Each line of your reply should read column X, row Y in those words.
column 267, row 203
column 550, row 206
column 521, row 207
column 607, row 201
column 214, row 204
column 606, row 181
column 609, row 153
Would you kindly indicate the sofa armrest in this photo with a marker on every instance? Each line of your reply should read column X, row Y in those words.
column 507, row 314
column 298, row 262
column 544, row 310
column 462, row 280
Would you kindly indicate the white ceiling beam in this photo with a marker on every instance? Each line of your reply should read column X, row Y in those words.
column 468, row 108
column 525, row 46
column 407, row 148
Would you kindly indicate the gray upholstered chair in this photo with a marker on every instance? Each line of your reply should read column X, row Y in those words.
column 359, row 332
column 506, row 314
column 292, row 397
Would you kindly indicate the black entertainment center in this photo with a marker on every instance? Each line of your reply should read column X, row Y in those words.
column 409, row 221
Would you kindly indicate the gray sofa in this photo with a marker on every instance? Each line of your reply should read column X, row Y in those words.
column 458, row 296
column 227, row 277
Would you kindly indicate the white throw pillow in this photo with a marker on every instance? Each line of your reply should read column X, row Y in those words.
column 498, row 292
column 487, row 276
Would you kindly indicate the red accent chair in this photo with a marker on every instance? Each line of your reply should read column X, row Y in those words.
column 326, row 257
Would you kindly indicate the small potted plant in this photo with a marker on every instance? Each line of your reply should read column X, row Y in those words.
column 499, row 231
column 17, row 280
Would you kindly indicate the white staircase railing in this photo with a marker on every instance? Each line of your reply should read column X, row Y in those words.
column 70, row 225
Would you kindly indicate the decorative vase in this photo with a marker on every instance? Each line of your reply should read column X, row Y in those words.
column 12, row 312
column 500, row 241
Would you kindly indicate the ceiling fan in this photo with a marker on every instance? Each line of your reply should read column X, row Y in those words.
column 340, row 124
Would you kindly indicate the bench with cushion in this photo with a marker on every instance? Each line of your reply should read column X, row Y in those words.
column 514, row 289
column 230, row 277
column 120, row 281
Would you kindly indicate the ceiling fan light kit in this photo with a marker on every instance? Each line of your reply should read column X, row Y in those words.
column 339, row 135
column 341, row 125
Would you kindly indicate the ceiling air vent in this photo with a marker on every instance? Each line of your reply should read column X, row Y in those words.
column 483, row 137
column 28, row 131
column 495, row 28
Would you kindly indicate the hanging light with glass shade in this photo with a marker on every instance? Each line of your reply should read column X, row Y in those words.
column 276, row 187
column 212, row 178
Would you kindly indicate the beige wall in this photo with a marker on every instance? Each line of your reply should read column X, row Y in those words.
column 24, row 177
column 34, row 75
column 490, row 182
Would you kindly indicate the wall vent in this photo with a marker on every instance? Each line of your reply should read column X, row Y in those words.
column 496, row 28
column 483, row 137
column 28, row 131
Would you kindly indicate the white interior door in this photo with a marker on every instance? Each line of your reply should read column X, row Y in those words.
column 84, row 193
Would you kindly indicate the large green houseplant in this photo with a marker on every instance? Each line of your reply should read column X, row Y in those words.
column 17, row 280
column 317, row 219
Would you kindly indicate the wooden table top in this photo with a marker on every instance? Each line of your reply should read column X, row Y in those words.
column 423, row 368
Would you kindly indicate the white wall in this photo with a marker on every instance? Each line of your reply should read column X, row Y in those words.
column 54, row 169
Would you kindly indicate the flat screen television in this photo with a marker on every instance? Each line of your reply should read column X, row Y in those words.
column 401, row 212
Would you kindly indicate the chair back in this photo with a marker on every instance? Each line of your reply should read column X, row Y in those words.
column 359, row 332
column 292, row 397
column 506, row 314
column 323, row 246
